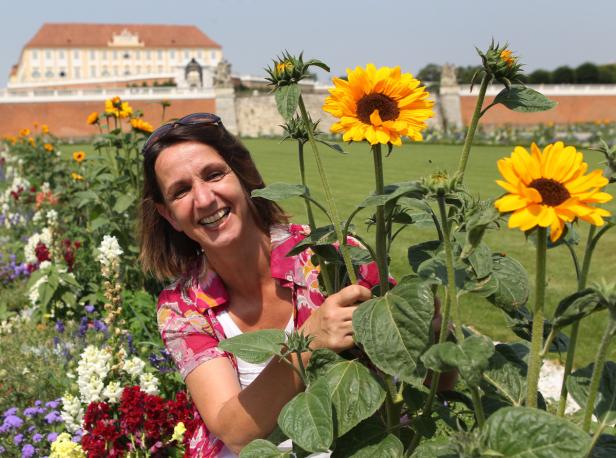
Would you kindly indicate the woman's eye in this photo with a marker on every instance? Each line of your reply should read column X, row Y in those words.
column 215, row 176
column 179, row 193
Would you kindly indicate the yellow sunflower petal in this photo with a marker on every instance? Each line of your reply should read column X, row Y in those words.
column 375, row 118
column 510, row 202
column 594, row 179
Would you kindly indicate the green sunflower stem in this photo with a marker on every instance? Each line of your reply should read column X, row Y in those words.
column 575, row 328
column 470, row 133
column 534, row 363
column 381, row 235
column 595, row 380
column 324, row 267
column 333, row 211
column 451, row 299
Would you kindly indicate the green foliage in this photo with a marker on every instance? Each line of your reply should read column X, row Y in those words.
column 578, row 385
column 524, row 99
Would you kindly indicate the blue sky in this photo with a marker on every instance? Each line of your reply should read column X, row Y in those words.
column 345, row 33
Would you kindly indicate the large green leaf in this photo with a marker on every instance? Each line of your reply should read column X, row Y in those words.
column 392, row 193
column 471, row 358
column 255, row 347
column 395, row 329
column 512, row 282
column 481, row 260
column 368, row 439
column 605, row 447
column 523, row 432
column 577, row 306
column 417, row 254
column 307, row 418
column 436, row 448
column 506, row 375
column 578, row 384
column 123, row 202
column 280, row 191
column 355, row 393
column 325, row 235
column 524, row 99
column 260, row 448
column 321, row 360
column 287, row 99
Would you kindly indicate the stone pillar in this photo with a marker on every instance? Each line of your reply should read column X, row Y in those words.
column 225, row 108
column 451, row 109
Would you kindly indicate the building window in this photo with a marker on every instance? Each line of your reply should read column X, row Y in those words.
column 61, row 54
column 160, row 69
column 200, row 54
column 138, row 54
column 77, row 72
column 126, row 55
column 76, row 54
column 115, row 55
column 172, row 54
column 105, row 71
column 92, row 54
column 213, row 57
column 104, row 54
column 126, row 71
column 48, row 54
column 48, row 73
column 160, row 53
column 138, row 69
column 93, row 71
column 148, row 54
column 186, row 54
column 34, row 54
column 36, row 73
column 62, row 73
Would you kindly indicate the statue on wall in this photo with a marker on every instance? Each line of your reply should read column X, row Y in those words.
column 448, row 75
column 222, row 74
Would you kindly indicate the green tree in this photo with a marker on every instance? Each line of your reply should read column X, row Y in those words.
column 540, row 76
column 430, row 72
column 607, row 74
column 587, row 73
column 563, row 75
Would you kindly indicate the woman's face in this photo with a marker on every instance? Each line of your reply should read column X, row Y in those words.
column 202, row 196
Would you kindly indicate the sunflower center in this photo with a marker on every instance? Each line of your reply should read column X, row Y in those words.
column 552, row 192
column 388, row 108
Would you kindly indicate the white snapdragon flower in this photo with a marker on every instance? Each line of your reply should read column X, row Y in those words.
column 33, row 294
column 38, row 216
column 45, row 187
column 148, row 383
column 44, row 265
column 72, row 412
column 113, row 391
column 92, row 368
column 109, row 253
column 134, row 366
column 45, row 236
column 52, row 217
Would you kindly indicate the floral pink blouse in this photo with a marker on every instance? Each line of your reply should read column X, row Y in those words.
column 187, row 311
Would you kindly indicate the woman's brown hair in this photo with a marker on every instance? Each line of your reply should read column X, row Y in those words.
column 167, row 253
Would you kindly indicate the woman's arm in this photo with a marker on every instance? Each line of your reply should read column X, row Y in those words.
column 237, row 417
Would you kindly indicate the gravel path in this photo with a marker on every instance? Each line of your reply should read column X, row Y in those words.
column 550, row 381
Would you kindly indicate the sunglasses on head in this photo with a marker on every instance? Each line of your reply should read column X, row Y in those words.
column 194, row 119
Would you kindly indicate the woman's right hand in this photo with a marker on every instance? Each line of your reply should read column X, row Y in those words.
column 331, row 324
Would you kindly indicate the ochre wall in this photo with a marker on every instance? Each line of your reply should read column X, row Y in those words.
column 68, row 119
column 570, row 109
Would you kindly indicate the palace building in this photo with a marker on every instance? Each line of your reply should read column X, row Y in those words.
column 70, row 55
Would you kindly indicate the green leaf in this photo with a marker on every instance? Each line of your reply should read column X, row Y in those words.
column 578, row 384
column 355, row 393
column 436, row 268
column 325, row 235
column 506, row 375
column 531, row 433
column 421, row 252
column 471, row 358
column 524, row 99
column 481, row 260
column 255, row 347
column 123, row 203
column 395, row 329
column 476, row 226
column 368, row 439
column 512, row 282
column 321, row 360
column 436, row 448
column 260, row 448
column 392, row 193
column 86, row 198
column 99, row 222
column 280, row 191
column 605, row 447
column 307, row 418
column 287, row 99
column 577, row 306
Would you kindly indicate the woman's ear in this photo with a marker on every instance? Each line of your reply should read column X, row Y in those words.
column 165, row 213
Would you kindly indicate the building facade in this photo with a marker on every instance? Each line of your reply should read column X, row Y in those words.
column 106, row 55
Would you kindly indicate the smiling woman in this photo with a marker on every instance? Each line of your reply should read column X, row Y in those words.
column 227, row 254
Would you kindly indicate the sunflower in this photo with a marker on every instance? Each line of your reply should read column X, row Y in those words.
column 44, row 128
column 118, row 109
column 79, row 156
column 24, row 132
column 76, row 177
column 141, row 125
column 507, row 56
column 92, row 118
column 379, row 105
column 48, row 147
column 550, row 188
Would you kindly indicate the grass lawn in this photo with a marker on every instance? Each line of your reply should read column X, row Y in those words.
column 351, row 178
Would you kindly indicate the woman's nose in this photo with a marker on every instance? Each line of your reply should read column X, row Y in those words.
column 203, row 194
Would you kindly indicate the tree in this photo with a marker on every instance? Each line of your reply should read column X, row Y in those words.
column 607, row 74
column 587, row 73
column 430, row 72
column 563, row 75
column 465, row 74
column 540, row 76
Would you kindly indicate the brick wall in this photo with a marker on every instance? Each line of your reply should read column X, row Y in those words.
column 68, row 119
column 570, row 109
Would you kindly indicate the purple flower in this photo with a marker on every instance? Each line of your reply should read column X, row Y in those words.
column 37, row 403
column 83, row 326
column 2, row 449
column 89, row 308
column 100, row 326
column 4, row 428
column 53, row 417
column 11, row 411
column 52, row 437
column 52, row 404
column 18, row 439
column 37, row 437
column 59, row 326
column 27, row 451
column 13, row 421
column 32, row 411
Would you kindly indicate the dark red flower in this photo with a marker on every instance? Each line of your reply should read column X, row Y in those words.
column 42, row 252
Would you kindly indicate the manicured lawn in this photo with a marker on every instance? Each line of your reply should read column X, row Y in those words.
column 352, row 179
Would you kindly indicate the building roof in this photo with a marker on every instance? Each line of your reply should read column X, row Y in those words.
column 68, row 35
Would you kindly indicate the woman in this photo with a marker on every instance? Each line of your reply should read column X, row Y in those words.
column 227, row 251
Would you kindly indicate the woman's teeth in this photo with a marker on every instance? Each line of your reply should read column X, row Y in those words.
column 213, row 219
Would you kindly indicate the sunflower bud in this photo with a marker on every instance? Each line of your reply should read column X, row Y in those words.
column 288, row 69
column 440, row 184
column 501, row 64
column 296, row 129
column 297, row 342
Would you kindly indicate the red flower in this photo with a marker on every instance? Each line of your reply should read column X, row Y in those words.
column 42, row 252
column 95, row 412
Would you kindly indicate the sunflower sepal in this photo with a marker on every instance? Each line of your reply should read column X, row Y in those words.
column 500, row 64
column 609, row 152
column 288, row 69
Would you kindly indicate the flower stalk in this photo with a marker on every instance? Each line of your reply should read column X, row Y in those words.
column 470, row 133
column 381, row 235
column 534, row 363
column 595, row 380
column 333, row 211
